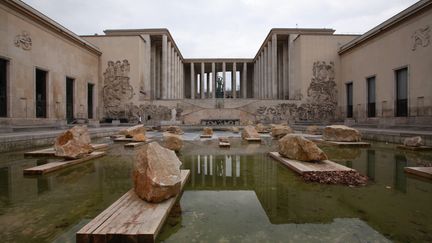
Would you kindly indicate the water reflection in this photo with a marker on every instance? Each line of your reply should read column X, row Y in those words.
column 386, row 204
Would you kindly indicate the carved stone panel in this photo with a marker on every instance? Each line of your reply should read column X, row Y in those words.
column 117, row 90
column 319, row 105
column 421, row 37
column 23, row 41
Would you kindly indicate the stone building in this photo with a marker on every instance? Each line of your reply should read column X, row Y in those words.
column 50, row 76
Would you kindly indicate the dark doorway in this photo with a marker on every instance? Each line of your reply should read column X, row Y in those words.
column 349, row 91
column 3, row 87
column 90, row 101
column 70, row 99
column 41, row 85
column 402, row 92
column 371, row 97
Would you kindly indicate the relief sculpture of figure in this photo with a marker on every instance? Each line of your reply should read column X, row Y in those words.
column 421, row 37
column 23, row 40
column 117, row 90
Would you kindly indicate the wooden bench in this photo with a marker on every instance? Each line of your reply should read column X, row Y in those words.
column 53, row 166
column 129, row 219
column 49, row 152
column 419, row 148
column 206, row 136
column 303, row 167
column 425, row 172
column 134, row 144
column 224, row 144
column 253, row 139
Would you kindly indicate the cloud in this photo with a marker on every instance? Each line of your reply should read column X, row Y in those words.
column 219, row 28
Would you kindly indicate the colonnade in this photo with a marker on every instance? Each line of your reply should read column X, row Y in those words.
column 271, row 70
column 172, row 73
column 208, row 72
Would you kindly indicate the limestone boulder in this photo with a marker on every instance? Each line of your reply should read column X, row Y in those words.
column 132, row 131
column 173, row 141
column 414, row 142
column 74, row 143
column 208, row 131
column 175, row 130
column 278, row 131
column 341, row 133
column 156, row 174
column 249, row 132
column 235, row 129
column 296, row 147
column 140, row 137
column 260, row 128
column 313, row 130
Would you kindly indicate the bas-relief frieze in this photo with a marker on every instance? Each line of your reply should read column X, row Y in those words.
column 421, row 37
column 150, row 113
column 117, row 90
column 23, row 40
column 319, row 105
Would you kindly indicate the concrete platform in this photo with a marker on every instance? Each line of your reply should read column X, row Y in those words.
column 49, row 152
column 425, row 172
column 304, row 167
column 129, row 219
column 421, row 148
column 341, row 144
column 53, row 166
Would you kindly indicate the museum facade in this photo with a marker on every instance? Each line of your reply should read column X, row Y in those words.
column 51, row 76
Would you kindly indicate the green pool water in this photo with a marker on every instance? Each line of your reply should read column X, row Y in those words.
column 233, row 195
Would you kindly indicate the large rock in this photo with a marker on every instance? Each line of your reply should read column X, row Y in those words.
column 341, row 133
column 140, row 137
column 156, row 175
column 296, row 147
column 278, row 131
column 260, row 128
column 235, row 129
column 175, row 130
column 249, row 132
column 132, row 131
column 74, row 143
column 173, row 141
column 313, row 130
column 207, row 131
column 414, row 142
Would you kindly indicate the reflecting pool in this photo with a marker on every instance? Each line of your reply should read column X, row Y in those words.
column 233, row 195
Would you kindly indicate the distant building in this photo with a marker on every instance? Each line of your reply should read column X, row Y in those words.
column 51, row 76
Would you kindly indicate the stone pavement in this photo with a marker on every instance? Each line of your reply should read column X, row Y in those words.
column 26, row 139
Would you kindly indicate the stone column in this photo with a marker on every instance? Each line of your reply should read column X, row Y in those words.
column 172, row 72
column 208, row 85
column 224, row 78
column 262, row 74
column 234, row 80
column 202, row 80
column 164, row 67
column 213, row 80
column 255, row 72
column 192, row 75
column 274, row 74
column 243, row 86
column 168, row 87
column 270, row 70
column 266, row 73
column 175, row 86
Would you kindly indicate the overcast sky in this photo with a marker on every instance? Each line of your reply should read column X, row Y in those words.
column 219, row 28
